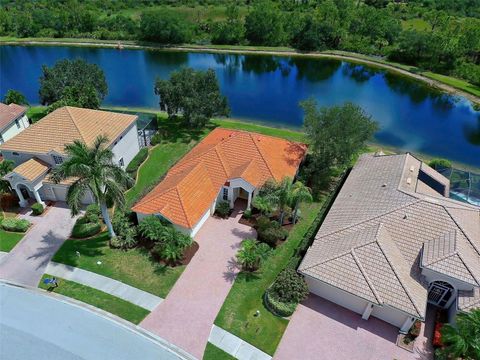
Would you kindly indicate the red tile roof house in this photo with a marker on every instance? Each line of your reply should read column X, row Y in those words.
column 13, row 120
column 40, row 148
column 393, row 242
column 226, row 165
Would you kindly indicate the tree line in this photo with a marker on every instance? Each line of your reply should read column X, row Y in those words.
column 448, row 43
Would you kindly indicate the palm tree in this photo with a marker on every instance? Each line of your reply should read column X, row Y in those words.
column 252, row 254
column 93, row 170
column 263, row 204
column 300, row 193
column 462, row 340
column 282, row 196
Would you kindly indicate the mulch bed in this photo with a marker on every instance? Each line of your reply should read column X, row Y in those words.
column 189, row 253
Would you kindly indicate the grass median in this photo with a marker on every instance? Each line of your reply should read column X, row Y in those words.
column 112, row 304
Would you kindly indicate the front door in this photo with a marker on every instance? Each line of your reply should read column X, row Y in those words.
column 439, row 293
column 25, row 193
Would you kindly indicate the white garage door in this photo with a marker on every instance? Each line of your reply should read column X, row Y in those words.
column 60, row 193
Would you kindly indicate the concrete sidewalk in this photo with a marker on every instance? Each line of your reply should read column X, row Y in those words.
column 235, row 346
column 110, row 286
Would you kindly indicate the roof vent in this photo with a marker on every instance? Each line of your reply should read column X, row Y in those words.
column 405, row 217
column 412, row 168
column 409, row 180
column 384, row 185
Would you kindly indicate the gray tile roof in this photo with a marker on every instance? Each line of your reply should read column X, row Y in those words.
column 370, row 243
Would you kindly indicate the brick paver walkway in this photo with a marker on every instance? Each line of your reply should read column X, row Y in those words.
column 320, row 329
column 186, row 316
column 26, row 263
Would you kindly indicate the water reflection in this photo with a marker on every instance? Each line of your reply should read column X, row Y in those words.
column 315, row 70
column 359, row 73
column 265, row 64
column 472, row 132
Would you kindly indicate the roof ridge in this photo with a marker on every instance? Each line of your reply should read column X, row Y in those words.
column 398, row 278
column 182, row 206
column 460, row 256
column 370, row 219
column 461, row 230
column 261, row 155
column 220, row 157
column 367, row 278
column 74, row 123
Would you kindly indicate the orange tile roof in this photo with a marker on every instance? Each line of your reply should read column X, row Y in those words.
column 67, row 124
column 191, row 186
column 31, row 169
column 10, row 112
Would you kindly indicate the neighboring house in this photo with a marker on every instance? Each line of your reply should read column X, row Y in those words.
column 225, row 166
column 393, row 241
column 13, row 120
column 40, row 148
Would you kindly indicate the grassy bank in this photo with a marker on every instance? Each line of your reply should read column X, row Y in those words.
column 134, row 267
column 246, row 296
column 128, row 311
column 443, row 82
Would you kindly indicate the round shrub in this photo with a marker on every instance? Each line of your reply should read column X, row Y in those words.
column 92, row 213
column 156, row 139
column 37, row 209
column 83, row 230
column 223, row 209
column 272, row 235
column 15, row 225
column 247, row 214
column 277, row 307
column 289, row 287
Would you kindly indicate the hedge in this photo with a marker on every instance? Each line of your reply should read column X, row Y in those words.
column 277, row 307
column 84, row 230
column 37, row 209
column 136, row 162
column 15, row 225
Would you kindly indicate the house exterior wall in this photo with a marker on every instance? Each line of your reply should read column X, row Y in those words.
column 22, row 157
column 337, row 296
column 390, row 315
column 58, row 192
column 126, row 146
column 11, row 130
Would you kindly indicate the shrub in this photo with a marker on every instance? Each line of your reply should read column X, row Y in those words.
column 15, row 225
column 270, row 231
column 263, row 223
column 440, row 163
column 125, row 231
column 223, row 209
column 156, row 139
column 247, row 214
column 277, row 307
column 83, row 229
column 92, row 213
column 37, row 209
column 151, row 228
column 251, row 254
column 136, row 162
column 289, row 287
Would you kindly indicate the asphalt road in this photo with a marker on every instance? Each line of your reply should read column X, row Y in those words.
column 37, row 325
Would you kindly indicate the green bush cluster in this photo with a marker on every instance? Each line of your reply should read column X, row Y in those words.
column 83, row 229
column 136, row 162
column 15, row 225
column 156, row 139
column 37, row 209
column 126, row 233
column 222, row 209
column 92, row 213
column 277, row 307
column 270, row 231
column 440, row 163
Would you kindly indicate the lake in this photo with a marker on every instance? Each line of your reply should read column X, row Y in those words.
column 267, row 89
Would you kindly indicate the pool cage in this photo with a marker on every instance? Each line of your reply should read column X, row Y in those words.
column 464, row 185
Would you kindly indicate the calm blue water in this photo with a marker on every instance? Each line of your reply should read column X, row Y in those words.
column 267, row 89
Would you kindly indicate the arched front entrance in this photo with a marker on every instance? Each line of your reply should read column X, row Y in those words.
column 440, row 293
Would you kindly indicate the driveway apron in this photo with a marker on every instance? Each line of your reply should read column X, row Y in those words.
column 186, row 316
column 26, row 263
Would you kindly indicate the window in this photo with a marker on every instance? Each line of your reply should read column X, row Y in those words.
column 57, row 159
column 15, row 153
column 225, row 194
column 17, row 123
column 120, row 162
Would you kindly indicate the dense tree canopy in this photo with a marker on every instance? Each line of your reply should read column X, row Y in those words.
column 15, row 97
column 264, row 24
column 335, row 135
column 193, row 94
column 164, row 27
column 72, row 82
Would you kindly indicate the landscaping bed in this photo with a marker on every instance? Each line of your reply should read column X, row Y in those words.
column 112, row 304
column 134, row 267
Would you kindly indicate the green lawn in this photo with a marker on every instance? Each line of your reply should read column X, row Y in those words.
column 245, row 297
column 133, row 267
column 456, row 83
column 8, row 240
column 35, row 113
column 214, row 353
column 97, row 298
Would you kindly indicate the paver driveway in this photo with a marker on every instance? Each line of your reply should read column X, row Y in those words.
column 186, row 316
column 26, row 263
column 320, row 329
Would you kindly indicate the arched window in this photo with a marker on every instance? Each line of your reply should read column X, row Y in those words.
column 439, row 293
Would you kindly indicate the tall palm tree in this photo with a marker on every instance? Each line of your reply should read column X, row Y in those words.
column 300, row 193
column 282, row 197
column 93, row 169
column 462, row 340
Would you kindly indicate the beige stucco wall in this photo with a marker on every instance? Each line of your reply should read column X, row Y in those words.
column 12, row 130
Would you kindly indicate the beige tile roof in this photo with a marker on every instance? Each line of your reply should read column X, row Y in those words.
column 380, row 193
column 9, row 113
column 32, row 169
column 65, row 125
